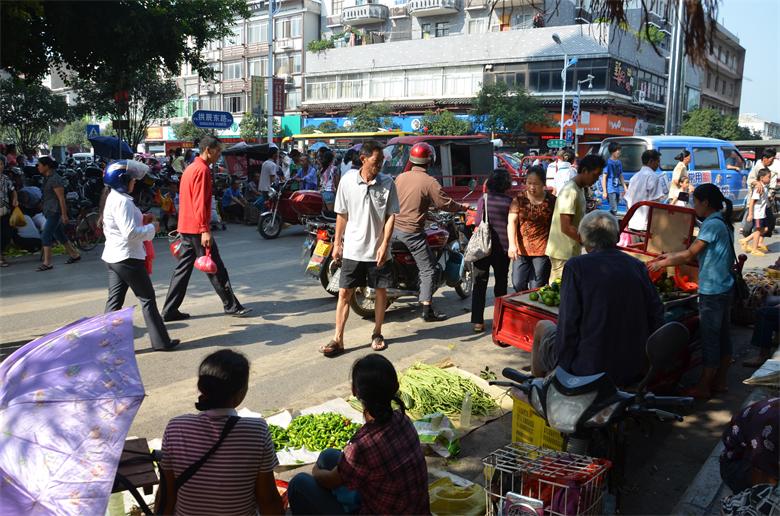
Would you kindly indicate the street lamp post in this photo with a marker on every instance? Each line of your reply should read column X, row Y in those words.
column 566, row 65
column 589, row 80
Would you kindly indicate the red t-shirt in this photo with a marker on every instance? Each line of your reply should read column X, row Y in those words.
column 195, row 198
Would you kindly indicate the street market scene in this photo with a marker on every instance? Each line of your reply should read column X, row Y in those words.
column 475, row 257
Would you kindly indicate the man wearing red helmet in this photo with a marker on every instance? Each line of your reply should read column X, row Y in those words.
column 417, row 193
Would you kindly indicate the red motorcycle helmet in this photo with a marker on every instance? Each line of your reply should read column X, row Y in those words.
column 422, row 154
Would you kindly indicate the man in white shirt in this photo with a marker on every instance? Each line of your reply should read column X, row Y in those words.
column 561, row 171
column 646, row 185
column 267, row 176
column 768, row 161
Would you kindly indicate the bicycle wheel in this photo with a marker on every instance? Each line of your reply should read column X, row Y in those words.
column 88, row 232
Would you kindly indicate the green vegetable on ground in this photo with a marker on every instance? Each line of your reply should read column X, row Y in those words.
column 426, row 389
column 315, row 432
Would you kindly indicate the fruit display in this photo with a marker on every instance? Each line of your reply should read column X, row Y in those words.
column 550, row 295
column 669, row 289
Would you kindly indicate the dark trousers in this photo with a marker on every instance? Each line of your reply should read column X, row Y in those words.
column 499, row 261
column 191, row 249
column 5, row 231
column 715, row 326
column 30, row 245
column 234, row 211
column 767, row 322
column 529, row 272
column 132, row 273
column 308, row 497
column 425, row 260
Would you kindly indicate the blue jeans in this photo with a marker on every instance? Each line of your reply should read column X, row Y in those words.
column 306, row 496
column 53, row 230
column 614, row 199
column 260, row 201
column 529, row 272
column 714, row 325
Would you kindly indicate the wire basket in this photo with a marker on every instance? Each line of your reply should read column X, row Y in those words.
column 566, row 484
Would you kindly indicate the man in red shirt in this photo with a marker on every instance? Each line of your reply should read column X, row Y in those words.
column 195, row 230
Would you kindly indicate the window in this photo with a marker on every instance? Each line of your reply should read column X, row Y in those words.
column 667, row 157
column 387, row 85
column 233, row 70
column 288, row 28
column 293, row 99
column 442, row 29
column 705, row 159
column 233, row 103
column 424, row 84
column 297, row 60
column 288, row 64
column 426, row 30
column 258, row 66
column 257, row 32
column 477, row 26
column 522, row 21
column 209, row 103
column 336, row 7
column 192, row 105
column 709, row 80
column 351, row 86
column 237, row 38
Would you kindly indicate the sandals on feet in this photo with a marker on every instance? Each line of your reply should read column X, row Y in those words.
column 378, row 342
column 43, row 267
column 332, row 349
column 4, row 264
column 72, row 260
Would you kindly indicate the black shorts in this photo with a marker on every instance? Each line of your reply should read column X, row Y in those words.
column 359, row 274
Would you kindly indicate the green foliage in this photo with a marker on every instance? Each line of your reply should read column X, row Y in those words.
column 189, row 132
column 652, row 34
column 71, row 135
column 27, row 112
column 710, row 123
column 309, row 129
column 150, row 98
column 320, row 45
column 103, row 40
column 249, row 127
column 445, row 123
column 503, row 109
column 371, row 117
column 328, row 126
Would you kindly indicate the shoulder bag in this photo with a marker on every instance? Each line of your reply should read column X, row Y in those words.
column 480, row 245
column 741, row 289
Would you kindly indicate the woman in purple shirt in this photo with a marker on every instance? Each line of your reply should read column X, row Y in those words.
column 497, row 214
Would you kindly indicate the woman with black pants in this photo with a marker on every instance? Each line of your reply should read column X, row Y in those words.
column 125, row 254
column 497, row 214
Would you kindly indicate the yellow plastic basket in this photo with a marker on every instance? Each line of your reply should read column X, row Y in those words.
column 528, row 427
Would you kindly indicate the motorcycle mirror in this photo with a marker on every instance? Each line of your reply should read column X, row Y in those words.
column 663, row 345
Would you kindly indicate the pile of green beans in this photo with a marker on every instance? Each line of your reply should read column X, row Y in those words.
column 315, row 432
column 427, row 389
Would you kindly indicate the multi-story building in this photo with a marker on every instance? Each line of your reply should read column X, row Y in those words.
column 767, row 129
column 244, row 54
column 721, row 83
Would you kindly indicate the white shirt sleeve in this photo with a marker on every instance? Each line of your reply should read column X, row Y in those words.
column 130, row 230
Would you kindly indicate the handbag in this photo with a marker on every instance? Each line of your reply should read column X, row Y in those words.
column 176, row 243
column 480, row 245
column 741, row 289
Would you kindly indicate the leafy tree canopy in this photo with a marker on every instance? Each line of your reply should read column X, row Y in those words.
column 28, row 111
column 445, row 123
column 503, row 109
column 71, row 135
column 710, row 123
column 189, row 132
column 103, row 39
column 371, row 117
column 329, row 126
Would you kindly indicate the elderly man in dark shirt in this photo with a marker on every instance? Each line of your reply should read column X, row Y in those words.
column 609, row 308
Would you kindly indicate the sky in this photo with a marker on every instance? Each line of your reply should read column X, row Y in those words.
column 757, row 25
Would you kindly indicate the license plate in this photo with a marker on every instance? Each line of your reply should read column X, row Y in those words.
column 322, row 249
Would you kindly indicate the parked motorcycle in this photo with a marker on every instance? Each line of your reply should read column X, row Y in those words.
column 317, row 252
column 447, row 239
column 592, row 413
column 287, row 204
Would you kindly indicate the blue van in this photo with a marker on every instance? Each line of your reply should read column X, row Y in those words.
column 708, row 163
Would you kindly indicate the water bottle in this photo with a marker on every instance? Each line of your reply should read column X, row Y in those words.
column 465, row 411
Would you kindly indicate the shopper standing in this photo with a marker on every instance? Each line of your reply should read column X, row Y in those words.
column 195, row 199
column 125, row 254
column 56, row 212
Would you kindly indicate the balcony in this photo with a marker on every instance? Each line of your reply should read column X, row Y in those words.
column 476, row 5
column 398, row 12
column 364, row 15
column 257, row 49
column 583, row 16
column 233, row 51
column 333, row 21
column 233, row 86
column 422, row 8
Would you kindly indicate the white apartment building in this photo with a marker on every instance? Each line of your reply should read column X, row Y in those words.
column 768, row 130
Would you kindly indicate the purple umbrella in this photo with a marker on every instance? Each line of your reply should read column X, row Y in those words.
column 66, row 404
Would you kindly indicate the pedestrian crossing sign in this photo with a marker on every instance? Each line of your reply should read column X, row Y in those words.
column 93, row 131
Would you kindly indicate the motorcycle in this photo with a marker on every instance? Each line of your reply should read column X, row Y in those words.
column 447, row 239
column 317, row 250
column 287, row 204
column 592, row 414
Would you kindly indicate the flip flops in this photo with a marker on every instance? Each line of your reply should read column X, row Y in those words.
column 378, row 342
column 332, row 349
column 43, row 267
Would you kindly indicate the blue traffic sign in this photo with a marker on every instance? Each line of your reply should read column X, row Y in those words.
column 212, row 119
column 569, row 135
column 93, row 130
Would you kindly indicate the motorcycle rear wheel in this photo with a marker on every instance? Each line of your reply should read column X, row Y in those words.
column 329, row 267
column 363, row 306
column 269, row 226
column 466, row 285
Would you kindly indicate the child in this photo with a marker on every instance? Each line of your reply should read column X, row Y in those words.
column 683, row 195
column 757, row 214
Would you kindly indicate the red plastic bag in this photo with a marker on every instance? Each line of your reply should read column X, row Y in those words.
column 206, row 264
column 176, row 245
column 149, row 248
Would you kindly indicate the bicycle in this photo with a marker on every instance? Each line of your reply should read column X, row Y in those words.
column 85, row 232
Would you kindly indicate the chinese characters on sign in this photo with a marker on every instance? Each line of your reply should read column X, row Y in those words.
column 279, row 97
column 212, row 119
column 622, row 77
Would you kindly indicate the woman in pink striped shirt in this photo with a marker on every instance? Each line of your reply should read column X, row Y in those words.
column 237, row 477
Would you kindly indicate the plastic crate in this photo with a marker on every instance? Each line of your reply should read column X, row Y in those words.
column 565, row 483
column 530, row 428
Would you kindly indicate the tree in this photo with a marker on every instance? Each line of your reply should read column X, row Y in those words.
column 370, row 117
column 500, row 108
column 150, row 97
column 73, row 134
column 309, row 129
column 189, row 132
column 445, row 123
column 28, row 111
column 328, row 126
column 710, row 123
column 102, row 39
column 249, row 127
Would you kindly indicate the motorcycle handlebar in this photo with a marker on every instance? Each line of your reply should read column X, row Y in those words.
column 524, row 387
column 668, row 401
column 515, row 375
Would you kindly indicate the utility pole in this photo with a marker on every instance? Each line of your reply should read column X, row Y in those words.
column 269, row 116
column 676, row 66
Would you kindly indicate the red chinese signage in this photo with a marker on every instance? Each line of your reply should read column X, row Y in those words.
column 279, row 97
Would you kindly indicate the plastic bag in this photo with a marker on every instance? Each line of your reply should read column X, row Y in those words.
column 206, row 264
column 448, row 498
column 17, row 218
column 437, row 433
column 149, row 260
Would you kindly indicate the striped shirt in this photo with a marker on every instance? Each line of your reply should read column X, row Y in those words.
column 498, row 219
column 225, row 484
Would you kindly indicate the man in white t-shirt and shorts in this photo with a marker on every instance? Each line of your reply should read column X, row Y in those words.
column 267, row 176
column 366, row 204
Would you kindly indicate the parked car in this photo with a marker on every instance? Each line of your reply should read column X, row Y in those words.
column 83, row 158
column 708, row 163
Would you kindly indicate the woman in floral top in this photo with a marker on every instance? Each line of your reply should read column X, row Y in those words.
column 530, row 217
column 750, row 446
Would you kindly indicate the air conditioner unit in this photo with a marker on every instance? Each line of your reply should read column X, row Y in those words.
column 210, row 88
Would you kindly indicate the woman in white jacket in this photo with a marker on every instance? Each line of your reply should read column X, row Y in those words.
column 125, row 254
